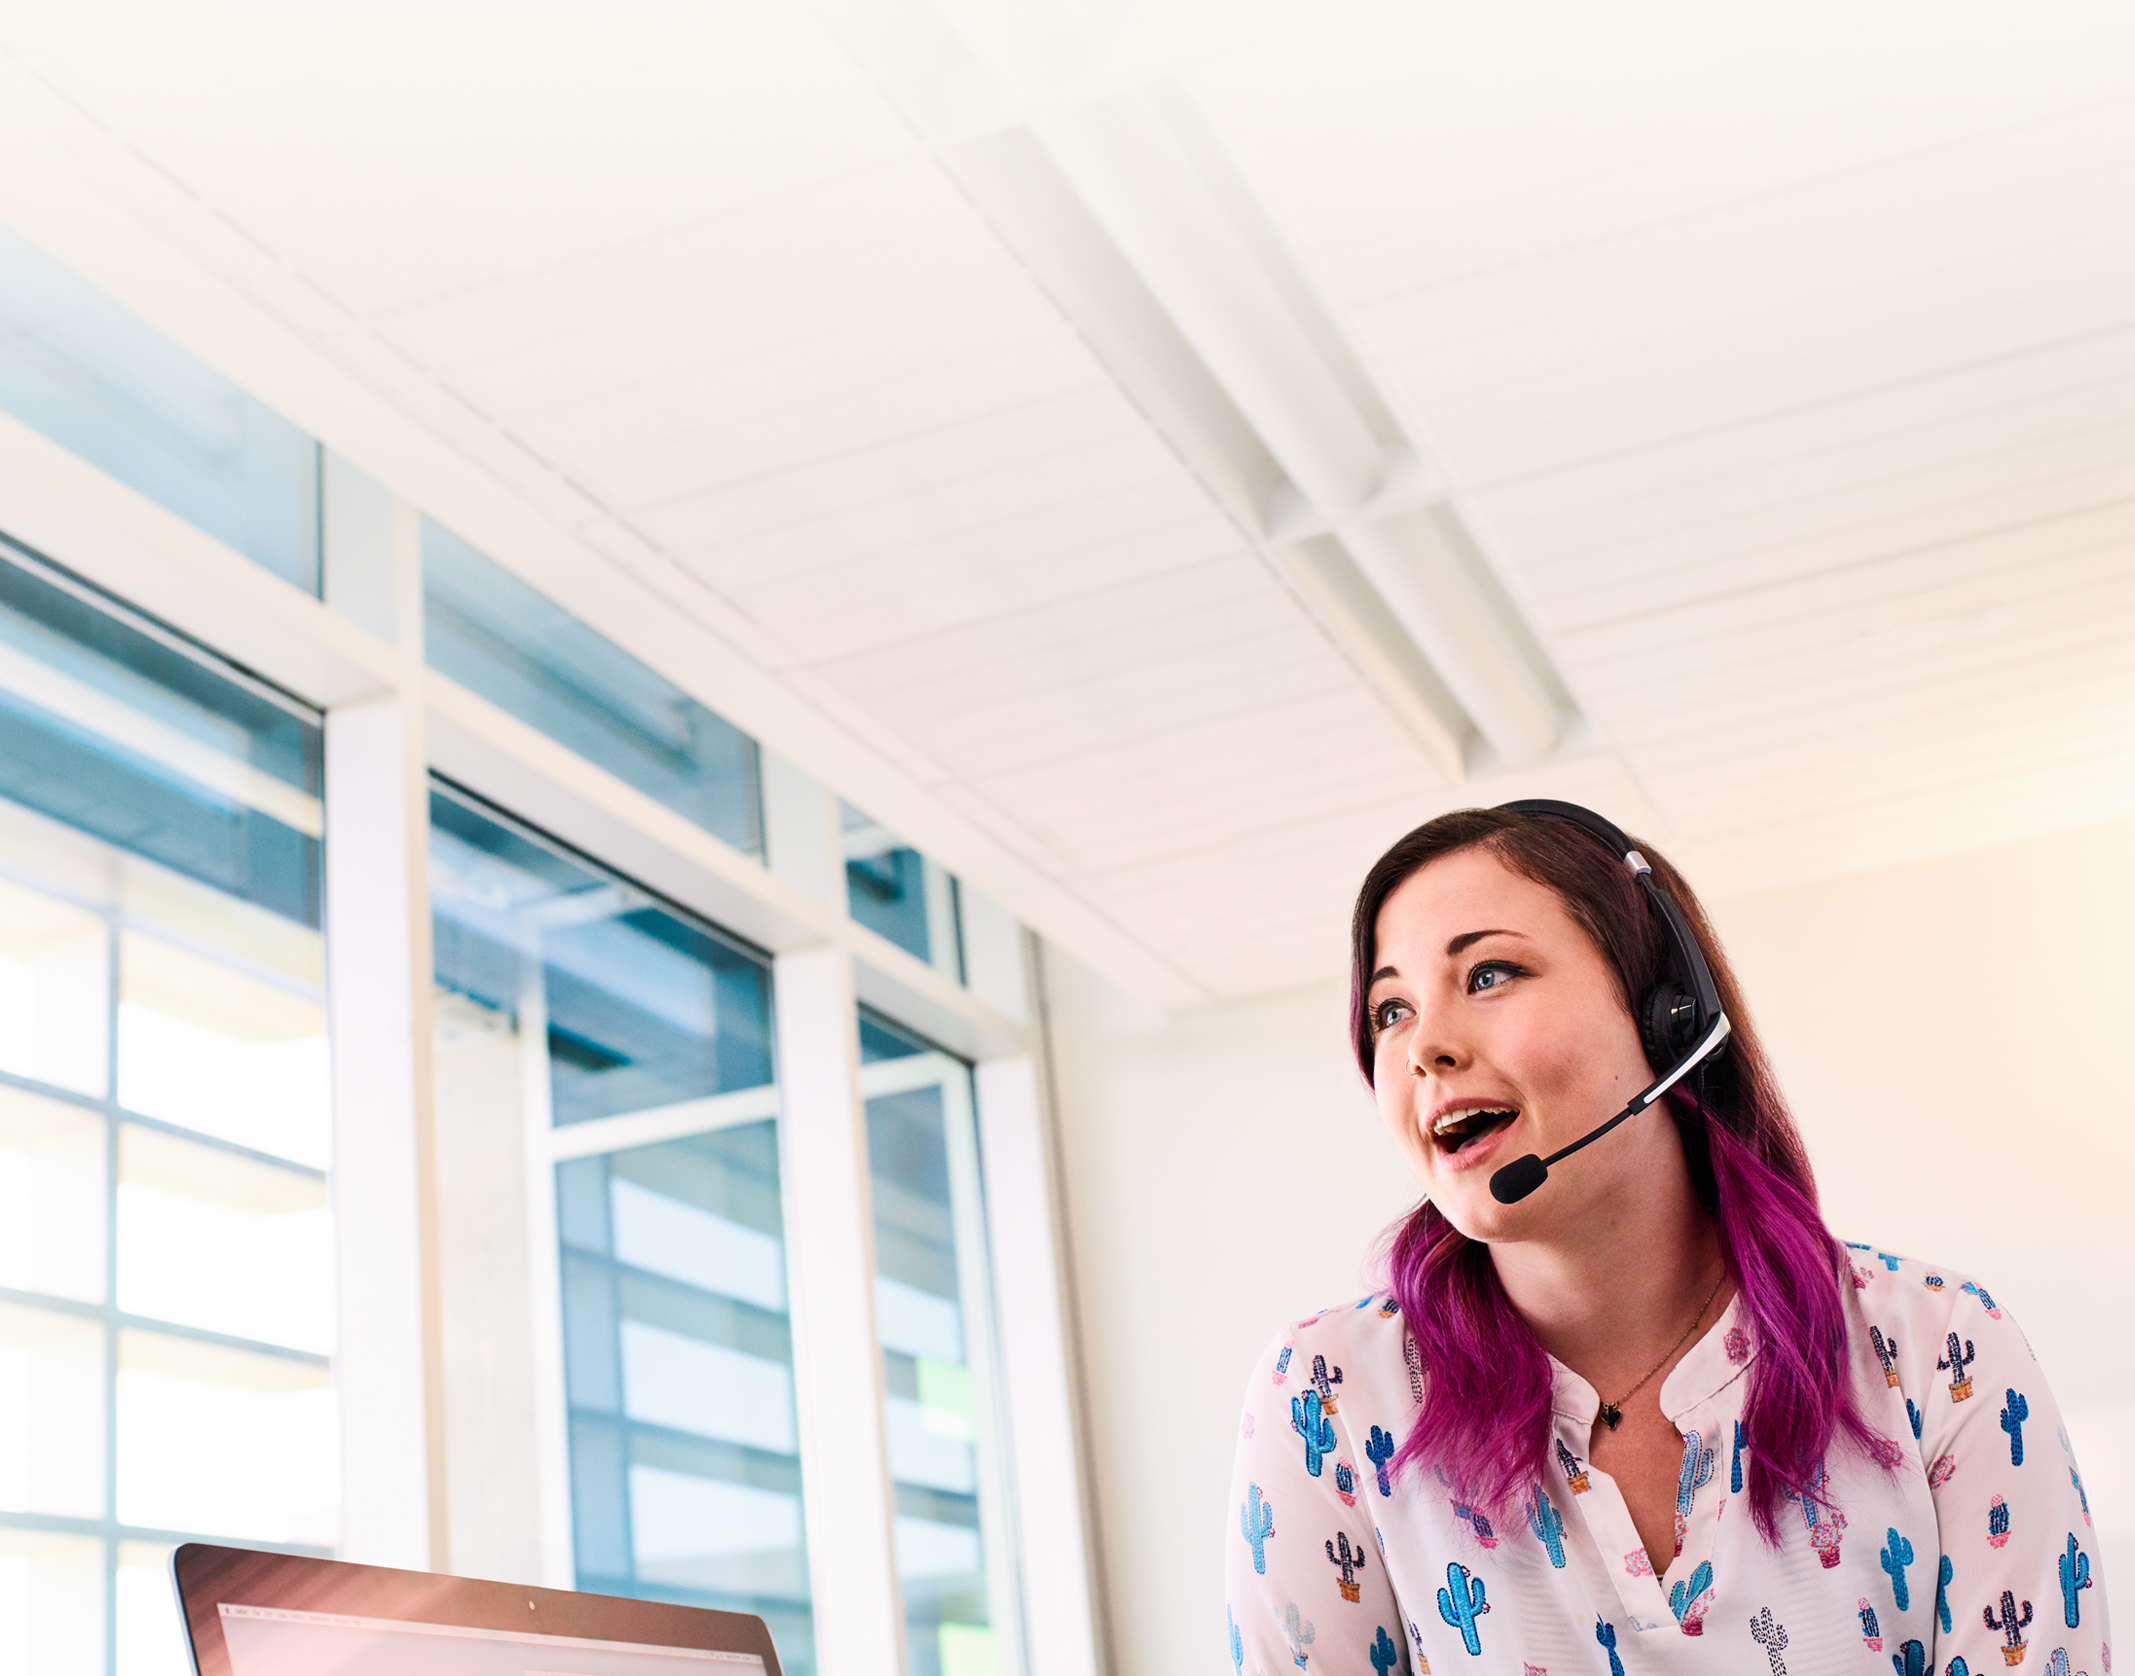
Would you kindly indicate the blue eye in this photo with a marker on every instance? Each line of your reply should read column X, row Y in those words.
column 1387, row 1014
column 1491, row 974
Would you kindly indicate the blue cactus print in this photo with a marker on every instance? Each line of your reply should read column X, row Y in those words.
column 1910, row 1660
column 1282, row 1362
column 1460, row 1603
column 1237, row 1645
column 1256, row 1521
column 2076, row 1479
column 1914, row 1415
column 1734, row 1474
column 1896, row 1555
column 1687, row 1589
column 1379, row 1449
column 1958, row 1667
column 2057, row 1662
column 1548, row 1525
column 1299, row 1634
column 1942, row 1595
column 1890, row 1263
column 1318, row 1432
column 2014, row 1413
column 2075, row 1578
column 1695, row 1475
column 1384, row 1654
column 1605, row 1633
column 1986, row 1298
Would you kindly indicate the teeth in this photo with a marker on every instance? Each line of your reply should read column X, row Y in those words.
column 1454, row 1119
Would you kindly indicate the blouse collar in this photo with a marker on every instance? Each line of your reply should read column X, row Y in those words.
column 1715, row 1362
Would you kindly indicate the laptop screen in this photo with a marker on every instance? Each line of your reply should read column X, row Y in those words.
column 252, row 1613
column 275, row 1641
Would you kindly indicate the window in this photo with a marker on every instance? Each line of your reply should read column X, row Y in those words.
column 892, row 889
column 685, row 1463
column 103, row 384
column 637, row 1042
column 934, row 1309
column 496, row 636
column 166, row 1259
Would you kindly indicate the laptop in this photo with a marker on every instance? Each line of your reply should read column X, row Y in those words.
column 249, row 1613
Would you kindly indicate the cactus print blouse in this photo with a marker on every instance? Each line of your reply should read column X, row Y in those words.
column 1976, row 1554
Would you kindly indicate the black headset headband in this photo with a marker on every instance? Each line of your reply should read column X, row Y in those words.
column 1686, row 959
column 1674, row 1043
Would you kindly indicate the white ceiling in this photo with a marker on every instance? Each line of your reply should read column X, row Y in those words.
column 1783, row 370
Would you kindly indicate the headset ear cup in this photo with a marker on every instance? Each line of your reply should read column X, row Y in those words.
column 1667, row 1023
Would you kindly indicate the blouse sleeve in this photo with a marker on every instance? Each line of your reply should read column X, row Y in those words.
column 1304, row 1574
column 2019, row 1564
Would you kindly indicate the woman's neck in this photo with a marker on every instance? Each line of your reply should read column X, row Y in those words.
column 1619, row 1289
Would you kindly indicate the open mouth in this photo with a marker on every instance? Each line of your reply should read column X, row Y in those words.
column 1457, row 1129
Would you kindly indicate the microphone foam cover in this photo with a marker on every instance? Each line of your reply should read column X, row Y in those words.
column 1518, row 1179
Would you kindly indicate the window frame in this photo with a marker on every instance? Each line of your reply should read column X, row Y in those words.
column 356, row 653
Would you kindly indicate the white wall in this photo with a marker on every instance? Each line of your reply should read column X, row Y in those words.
column 1224, row 1171
column 1953, row 1036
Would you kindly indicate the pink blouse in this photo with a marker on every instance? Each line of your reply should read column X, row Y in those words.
column 1975, row 1553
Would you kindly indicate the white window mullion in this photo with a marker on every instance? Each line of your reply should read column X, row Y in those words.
column 1038, row 1372
column 552, row 1423
column 994, row 1444
column 387, row 1362
column 830, row 1246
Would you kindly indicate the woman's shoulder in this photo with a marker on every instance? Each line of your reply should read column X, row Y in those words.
column 1910, row 1298
column 1362, row 1339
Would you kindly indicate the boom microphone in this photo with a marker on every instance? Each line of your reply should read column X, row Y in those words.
column 1523, row 1175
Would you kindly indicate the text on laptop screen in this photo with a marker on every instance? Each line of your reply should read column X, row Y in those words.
column 272, row 1641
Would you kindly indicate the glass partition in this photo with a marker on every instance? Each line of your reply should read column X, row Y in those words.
column 105, row 385
column 496, row 636
column 166, row 1255
column 892, row 889
column 934, row 1311
column 685, row 1458
column 635, row 1043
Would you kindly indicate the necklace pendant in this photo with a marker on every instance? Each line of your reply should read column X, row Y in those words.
column 1611, row 1415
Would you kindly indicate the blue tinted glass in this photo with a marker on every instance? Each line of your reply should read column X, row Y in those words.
column 106, row 386
column 685, row 1464
column 493, row 634
column 642, row 1008
column 892, row 889
column 931, row 1307
column 125, row 731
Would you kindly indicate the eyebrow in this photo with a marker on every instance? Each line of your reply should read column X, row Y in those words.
column 1466, row 940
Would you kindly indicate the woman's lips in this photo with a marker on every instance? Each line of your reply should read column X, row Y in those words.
column 1476, row 1150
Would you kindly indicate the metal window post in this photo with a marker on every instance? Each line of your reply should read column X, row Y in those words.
column 388, row 1366
column 837, row 1357
column 1039, row 1375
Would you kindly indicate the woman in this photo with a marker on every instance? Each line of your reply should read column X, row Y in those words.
column 1651, row 1415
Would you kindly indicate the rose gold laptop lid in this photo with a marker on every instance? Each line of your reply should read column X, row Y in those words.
column 249, row 1613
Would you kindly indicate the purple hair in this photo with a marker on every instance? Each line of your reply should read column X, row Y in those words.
column 1485, row 1414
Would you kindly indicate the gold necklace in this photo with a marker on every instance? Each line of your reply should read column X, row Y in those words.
column 1612, row 1412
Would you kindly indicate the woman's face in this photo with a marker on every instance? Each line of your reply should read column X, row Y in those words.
column 1498, row 1031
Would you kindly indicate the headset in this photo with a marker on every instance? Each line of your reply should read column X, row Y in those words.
column 1680, row 1021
